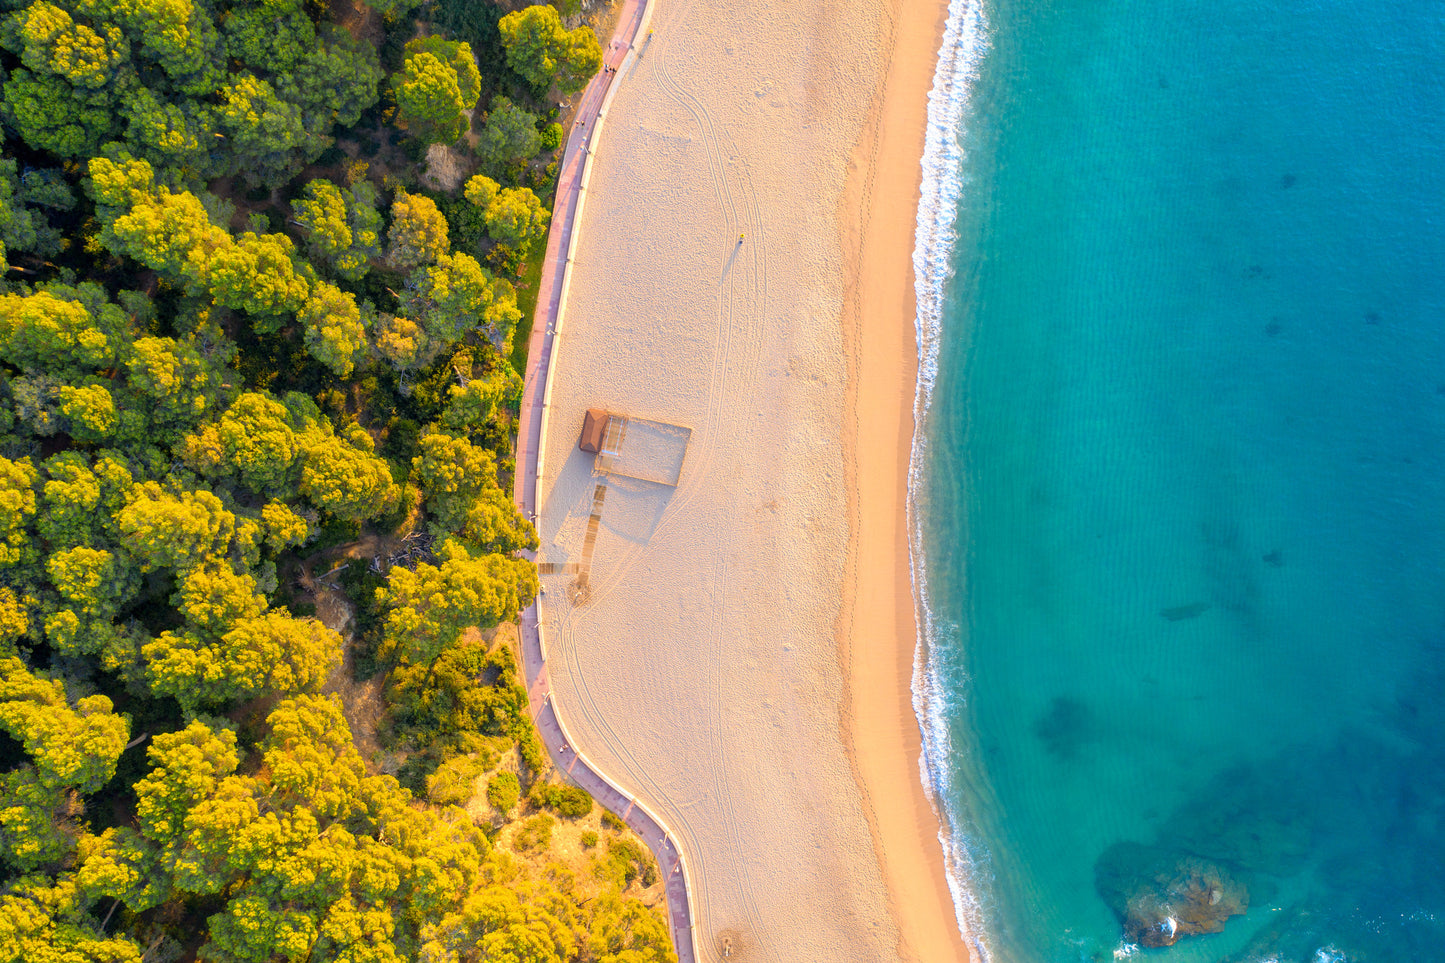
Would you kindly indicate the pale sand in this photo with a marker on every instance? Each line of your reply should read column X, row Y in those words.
column 715, row 670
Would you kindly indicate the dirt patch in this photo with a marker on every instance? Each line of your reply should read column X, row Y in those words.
column 446, row 168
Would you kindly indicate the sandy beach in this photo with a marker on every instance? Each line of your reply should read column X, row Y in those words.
column 736, row 650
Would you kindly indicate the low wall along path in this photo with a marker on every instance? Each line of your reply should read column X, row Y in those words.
column 620, row 53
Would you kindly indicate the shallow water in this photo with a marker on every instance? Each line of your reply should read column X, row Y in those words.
column 1182, row 480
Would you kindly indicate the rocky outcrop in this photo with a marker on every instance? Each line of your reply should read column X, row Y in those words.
column 1162, row 896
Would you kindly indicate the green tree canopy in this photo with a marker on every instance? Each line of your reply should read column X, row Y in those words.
column 475, row 403
column 455, row 295
column 334, row 82
column 238, row 656
column 418, row 233
column 270, row 35
column 23, row 225
column 18, row 483
column 509, row 137
column 175, row 530
column 51, row 115
column 460, row 481
column 253, row 442
column 437, row 84
column 400, row 341
column 543, row 51
column 321, row 212
column 81, row 496
column 168, row 133
column 269, row 137
column 70, row 745
column 93, row 582
column 51, row 923
column 188, row 767
column 50, row 40
column 46, row 332
column 514, row 216
column 178, row 384
column 346, row 480
column 256, row 273
column 429, row 608
column 335, row 333
column 342, row 227
column 89, row 410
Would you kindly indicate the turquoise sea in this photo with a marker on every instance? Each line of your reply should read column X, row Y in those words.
column 1179, row 493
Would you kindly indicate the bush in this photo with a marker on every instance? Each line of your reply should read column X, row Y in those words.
column 551, row 137
column 455, row 780
column 613, row 822
column 530, row 749
column 589, row 839
column 569, row 802
column 624, row 862
column 503, row 791
column 535, row 833
column 437, row 705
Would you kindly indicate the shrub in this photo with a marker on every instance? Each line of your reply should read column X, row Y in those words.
column 530, row 749
column 613, row 822
column 624, row 862
column 534, row 833
column 503, row 791
column 551, row 137
column 455, row 780
column 569, row 802
column 589, row 839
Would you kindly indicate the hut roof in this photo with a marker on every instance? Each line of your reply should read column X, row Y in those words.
column 594, row 427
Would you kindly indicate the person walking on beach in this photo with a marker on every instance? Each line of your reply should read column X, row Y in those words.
column 740, row 238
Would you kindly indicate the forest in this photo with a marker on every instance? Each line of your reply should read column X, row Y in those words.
column 270, row 269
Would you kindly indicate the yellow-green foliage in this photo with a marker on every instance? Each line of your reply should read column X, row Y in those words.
column 218, row 384
column 418, row 232
column 429, row 608
column 545, row 52
column 568, row 802
column 437, row 84
column 534, row 832
column 503, row 791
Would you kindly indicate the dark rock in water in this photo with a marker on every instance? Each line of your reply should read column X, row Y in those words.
column 1162, row 896
column 1064, row 727
column 1275, row 558
column 1287, row 181
column 1181, row 612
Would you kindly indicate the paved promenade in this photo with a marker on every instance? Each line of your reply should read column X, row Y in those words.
column 628, row 42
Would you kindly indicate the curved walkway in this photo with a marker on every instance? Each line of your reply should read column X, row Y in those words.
column 619, row 54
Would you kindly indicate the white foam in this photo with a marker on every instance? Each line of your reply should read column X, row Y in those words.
column 965, row 40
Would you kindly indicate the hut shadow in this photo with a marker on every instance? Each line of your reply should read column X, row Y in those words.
column 630, row 508
column 567, row 505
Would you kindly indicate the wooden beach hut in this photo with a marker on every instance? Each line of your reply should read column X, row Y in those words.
column 594, row 429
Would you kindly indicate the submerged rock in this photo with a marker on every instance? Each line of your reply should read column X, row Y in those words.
column 1162, row 896
column 1180, row 613
column 1064, row 727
